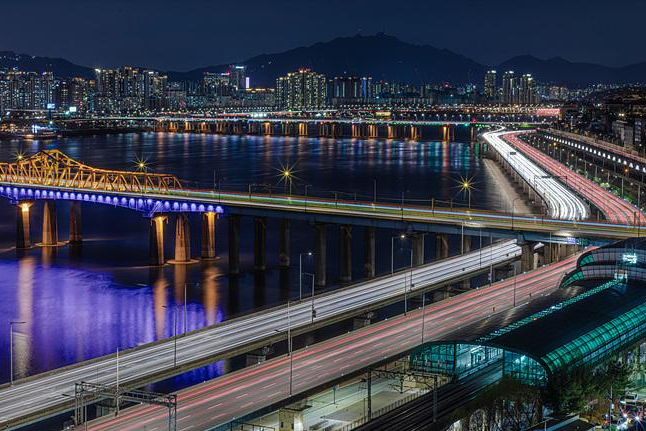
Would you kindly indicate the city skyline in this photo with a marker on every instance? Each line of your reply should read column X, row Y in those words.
column 212, row 34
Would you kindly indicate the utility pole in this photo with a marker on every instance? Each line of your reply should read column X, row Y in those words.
column 11, row 350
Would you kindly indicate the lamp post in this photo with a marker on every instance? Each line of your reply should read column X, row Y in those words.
column 306, row 187
column 11, row 349
column 174, row 335
column 423, row 314
column 289, row 350
column 312, row 295
column 466, row 186
column 374, row 190
column 392, row 251
column 514, row 285
column 117, row 386
column 411, row 281
column 287, row 176
column 300, row 273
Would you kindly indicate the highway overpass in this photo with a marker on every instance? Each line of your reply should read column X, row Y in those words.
column 39, row 396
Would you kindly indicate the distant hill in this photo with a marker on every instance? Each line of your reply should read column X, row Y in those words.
column 380, row 56
column 60, row 66
column 559, row 70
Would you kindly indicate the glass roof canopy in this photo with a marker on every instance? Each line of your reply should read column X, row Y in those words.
column 583, row 330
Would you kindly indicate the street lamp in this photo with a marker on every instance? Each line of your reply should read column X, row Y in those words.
column 174, row 335
column 312, row 296
column 287, row 176
column 466, row 186
column 423, row 314
column 392, row 250
column 306, row 187
column 374, row 190
column 11, row 349
column 289, row 350
column 411, row 281
column 300, row 273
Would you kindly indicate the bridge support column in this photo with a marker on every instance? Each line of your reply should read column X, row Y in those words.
column 234, row 244
column 527, row 256
column 23, row 238
column 362, row 320
column 75, row 223
column 182, row 239
column 466, row 247
column 157, row 240
column 571, row 249
column 258, row 356
column 50, row 224
column 369, row 252
column 260, row 243
column 321, row 254
column 284, row 243
column 290, row 419
column 440, row 295
column 345, row 253
column 417, row 241
column 208, row 235
column 548, row 253
column 441, row 246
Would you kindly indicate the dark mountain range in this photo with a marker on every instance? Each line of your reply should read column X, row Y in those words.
column 380, row 56
column 60, row 66
column 559, row 70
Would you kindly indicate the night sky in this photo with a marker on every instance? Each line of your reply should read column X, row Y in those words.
column 185, row 34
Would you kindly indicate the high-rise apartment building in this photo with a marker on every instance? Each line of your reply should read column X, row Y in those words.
column 129, row 89
column 301, row 90
column 508, row 88
column 491, row 85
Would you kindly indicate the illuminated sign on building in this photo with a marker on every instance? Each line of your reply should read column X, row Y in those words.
column 629, row 258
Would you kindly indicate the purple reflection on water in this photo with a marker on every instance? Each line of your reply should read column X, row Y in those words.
column 72, row 314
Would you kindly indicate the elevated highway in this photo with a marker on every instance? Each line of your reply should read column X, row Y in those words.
column 50, row 175
column 235, row 395
column 41, row 395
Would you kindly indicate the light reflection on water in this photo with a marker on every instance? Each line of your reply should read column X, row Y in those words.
column 73, row 314
column 86, row 302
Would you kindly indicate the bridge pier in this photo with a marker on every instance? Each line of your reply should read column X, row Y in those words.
column 527, row 256
column 234, row 244
column 50, row 224
column 283, row 243
column 466, row 247
column 75, row 223
column 345, row 253
column 417, row 244
column 290, row 418
column 23, row 238
column 415, row 133
column 260, row 243
column 441, row 246
column 182, row 239
column 369, row 252
column 208, row 235
column 362, row 320
column 258, row 356
column 321, row 254
column 157, row 240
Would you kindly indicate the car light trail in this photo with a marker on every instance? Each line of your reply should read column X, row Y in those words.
column 561, row 202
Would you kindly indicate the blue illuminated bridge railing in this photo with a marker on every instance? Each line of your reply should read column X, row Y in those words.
column 144, row 204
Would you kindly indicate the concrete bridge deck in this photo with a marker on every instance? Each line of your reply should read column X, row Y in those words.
column 217, row 402
column 41, row 395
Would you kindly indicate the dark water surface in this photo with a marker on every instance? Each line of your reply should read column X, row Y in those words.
column 87, row 302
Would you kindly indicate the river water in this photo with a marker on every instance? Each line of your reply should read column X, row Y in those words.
column 83, row 303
